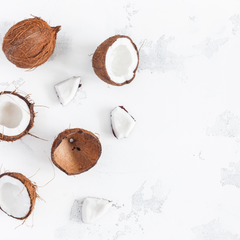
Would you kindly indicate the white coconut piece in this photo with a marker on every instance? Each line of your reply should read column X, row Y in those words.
column 14, row 115
column 122, row 122
column 14, row 197
column 121, row 60
column 94, row 208
column 67, row 89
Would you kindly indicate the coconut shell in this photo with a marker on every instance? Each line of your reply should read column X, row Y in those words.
column 31, row 188
column 75, row 151
column 30, row 43
column 30, row 105
column 99, row 60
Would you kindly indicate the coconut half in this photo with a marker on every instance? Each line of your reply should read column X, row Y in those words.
column 16, row 116
column 94, row 208
column 116, row 60
column 122, row 122
column 17, row 195
column 75, row 151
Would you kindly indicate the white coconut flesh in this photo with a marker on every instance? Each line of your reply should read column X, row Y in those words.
column 121, row 60
column 67, row 89
column 14, row 197
column 94, row 208
column 14, row 115
column 122, row 122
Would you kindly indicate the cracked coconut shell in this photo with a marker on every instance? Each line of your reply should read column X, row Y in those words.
column 100, row 58
column 30, row 43
column 75, row 151
column 30, row 105
column 31, row 190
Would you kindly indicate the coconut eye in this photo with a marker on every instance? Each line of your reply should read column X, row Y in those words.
column 116, row 60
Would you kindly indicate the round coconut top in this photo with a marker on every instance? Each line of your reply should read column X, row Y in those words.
column 75, row 151
column 17, row 195
column 16, row 115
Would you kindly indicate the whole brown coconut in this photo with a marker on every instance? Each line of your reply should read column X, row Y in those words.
column 100, row 58
column 75, row 151
column 30, row 190
column 16, row 99
column 30, row 43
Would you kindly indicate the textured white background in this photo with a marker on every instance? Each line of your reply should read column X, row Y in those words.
column 178, row 174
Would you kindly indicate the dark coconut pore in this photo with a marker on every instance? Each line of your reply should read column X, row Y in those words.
column 30, row 43
column 99, row 60
column 31, row 188
column 30, row 105
column 75, row 151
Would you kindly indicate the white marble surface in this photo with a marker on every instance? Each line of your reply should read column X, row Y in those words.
column 178, row 174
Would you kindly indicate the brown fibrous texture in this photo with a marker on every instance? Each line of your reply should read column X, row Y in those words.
column 31, row 188
column 75, row 151
column 30, row 105
column 99, row 60
column 29, row 43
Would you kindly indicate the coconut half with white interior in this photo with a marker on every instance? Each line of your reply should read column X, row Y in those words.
column 17, row 195
column 16, row 115
column 116, row 60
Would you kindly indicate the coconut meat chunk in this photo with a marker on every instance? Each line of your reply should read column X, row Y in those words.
column 121, row 60
column 122, row 122
column 14, row 115
column 67, row 89
column 14, row 197
column 94, row 208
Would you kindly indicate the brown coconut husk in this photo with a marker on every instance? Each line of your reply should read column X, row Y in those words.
column 30, row 105
column 30, row 43
column 99, row 60
column 31, row 188
column 78, row 156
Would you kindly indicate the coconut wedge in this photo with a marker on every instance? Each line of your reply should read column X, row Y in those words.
column 122, row 122
column 16, row 115
column 94, row 208
column 17, row 195
column 75, row 151
column 67, row 89
column 116, row 60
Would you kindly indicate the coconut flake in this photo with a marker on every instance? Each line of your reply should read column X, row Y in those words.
column 14, row 115
column 94, row 208
column 121, row 60
column 67, row 89
column 14, row 197
column 122, row 122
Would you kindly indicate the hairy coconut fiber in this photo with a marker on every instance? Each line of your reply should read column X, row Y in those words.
column 99, row 60
column 75, row 151
column 30, row 43
column 30, row 105
column 31, row 188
